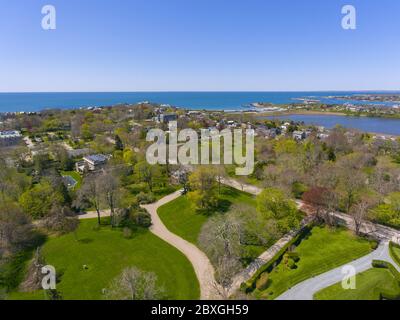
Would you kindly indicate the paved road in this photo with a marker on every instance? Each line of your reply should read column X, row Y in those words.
column 205, row 271
column 306, row 289
column 93, row 214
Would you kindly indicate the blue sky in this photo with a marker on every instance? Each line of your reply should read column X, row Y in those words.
column 199, row 45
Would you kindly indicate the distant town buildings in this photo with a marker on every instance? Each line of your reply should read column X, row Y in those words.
column 10, row 138
column 299, row 135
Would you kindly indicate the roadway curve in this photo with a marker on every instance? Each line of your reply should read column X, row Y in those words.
column 305, row 290
column 201, row 264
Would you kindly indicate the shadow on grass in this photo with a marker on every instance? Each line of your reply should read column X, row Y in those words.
column 85, row 240
column 223, row 206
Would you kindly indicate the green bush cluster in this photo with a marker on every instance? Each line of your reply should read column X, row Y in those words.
column 263, row 281
column 393, row 254
column 145, row 198
column 251, row 284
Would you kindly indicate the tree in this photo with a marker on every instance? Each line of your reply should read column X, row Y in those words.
column 86, row 132
column 16, row 230
column 140, row 217
column 273, row 205
column 129, row 156
column 41, row 162
column 220, row 175
column 38, row 200
column 109, row 185
column 359, row 211
column 134, row 284
column 321, row 200
column 337, row 141
column 118, row 143
column 61, row 220
column 61, row 155
column 183, row 179
column 220, row 240
column 203, row 188
column 147, row 173
column 352, row 181
column 388, row 213
column 286, row 146
column 91, row 192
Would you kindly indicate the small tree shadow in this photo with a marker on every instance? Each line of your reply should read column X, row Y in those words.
column 85, row 240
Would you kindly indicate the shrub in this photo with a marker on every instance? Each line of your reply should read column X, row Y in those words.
column 374, row 244
column 298, row 189
column 393, row 254
column 138, row 188
column 145, row 198
column 127, row 233
column 291, row 264
column 250, row 284
column 294, row 256
column 263, row 281
column 140, row 217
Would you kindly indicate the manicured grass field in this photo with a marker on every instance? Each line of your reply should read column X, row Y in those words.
column 322, row 250
column 396, row 253
column 75, row 175
column 181, row 218
column 369, row 285
column 106, row 253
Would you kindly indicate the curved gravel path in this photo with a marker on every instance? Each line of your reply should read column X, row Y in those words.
column 201, row 264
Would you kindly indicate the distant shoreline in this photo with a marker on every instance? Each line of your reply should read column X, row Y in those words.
column 216, row 100
column 305, row 113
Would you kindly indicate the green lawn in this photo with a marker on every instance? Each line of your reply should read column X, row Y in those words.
column 369, row 285
column 106, row 253
column 322, row 250
column 75, row 175
column 181, row 218
column 396, row 254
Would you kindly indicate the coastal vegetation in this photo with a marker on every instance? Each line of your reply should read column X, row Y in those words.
column 104, row 151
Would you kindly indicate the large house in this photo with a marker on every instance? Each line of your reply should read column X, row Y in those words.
column 166, row 117
column 91, row 163
column 299, row 135
column 10, row 138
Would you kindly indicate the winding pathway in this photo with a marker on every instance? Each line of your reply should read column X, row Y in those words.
column 201, row 264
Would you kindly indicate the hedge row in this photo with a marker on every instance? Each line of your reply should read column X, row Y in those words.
column 393, row 254
column 250, row 284
column 386, row 265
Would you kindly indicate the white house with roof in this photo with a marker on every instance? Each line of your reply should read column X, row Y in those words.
column 299, row 135
column 10, row 138
column 91, row 163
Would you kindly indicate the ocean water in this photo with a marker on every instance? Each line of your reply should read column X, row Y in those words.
column 377, row 125
column 11, row 102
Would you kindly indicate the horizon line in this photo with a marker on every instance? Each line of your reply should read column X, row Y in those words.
column 205, row 91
